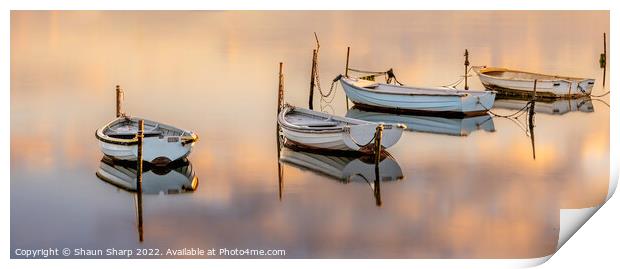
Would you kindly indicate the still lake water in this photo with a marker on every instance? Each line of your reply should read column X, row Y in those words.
column 480, row 195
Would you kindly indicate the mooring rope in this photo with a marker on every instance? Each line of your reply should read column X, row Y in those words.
column 368, row 72
column 598, row 96
column 518, row 112
column 327, row 105
column 372, row 140
column 460, row 80
column 594, row 99
column 389, row 75
column 326, row 98
column 362, row 145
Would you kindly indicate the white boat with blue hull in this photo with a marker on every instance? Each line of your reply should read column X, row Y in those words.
column 429, row 124
column 162, row 143
column 515, row 82
column 318, row 130
column 417, row 100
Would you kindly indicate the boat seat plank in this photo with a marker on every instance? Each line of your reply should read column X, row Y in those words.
column 319, row 124
column 156, row 132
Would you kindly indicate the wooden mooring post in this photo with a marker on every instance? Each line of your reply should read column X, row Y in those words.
column 140, row 138
column 377, row 149
column 280, row 89
column 312, row 76
column 119, row 101
column 346, row 75
column 466, row 68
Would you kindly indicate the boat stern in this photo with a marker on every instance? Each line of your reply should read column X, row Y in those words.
column 585, row 86
column 391, row 134
column 478, row 102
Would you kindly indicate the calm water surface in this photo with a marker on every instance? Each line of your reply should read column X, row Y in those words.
column 480, row 195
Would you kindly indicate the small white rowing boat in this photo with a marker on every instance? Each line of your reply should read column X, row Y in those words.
column 429, row 124
column 510, row 81
column 162, row 143
column 378, row 96
column 318, row 130
column 178, row 177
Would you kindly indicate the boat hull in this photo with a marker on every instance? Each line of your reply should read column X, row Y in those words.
column 154, row 149
column 554, row 88
column 463, row 103
column 353, row 140
column 355, row 136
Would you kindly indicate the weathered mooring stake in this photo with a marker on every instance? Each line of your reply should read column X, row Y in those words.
column 280, row 89
column 140, row 138
column 312, row 76
column 466, row 68
column 346, row 75
column 119, row 100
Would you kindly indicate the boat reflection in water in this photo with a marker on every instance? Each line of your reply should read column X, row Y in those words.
column 551, row 107
column 345, row 169
column 460, row 126
column 176, row 177
column 529, row 108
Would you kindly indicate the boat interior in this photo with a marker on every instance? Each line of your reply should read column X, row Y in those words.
column 507, row 74
column 308, row 120
column 397, row 89
column 128, row 128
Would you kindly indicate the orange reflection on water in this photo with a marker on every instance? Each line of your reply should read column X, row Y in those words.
column 480, row 196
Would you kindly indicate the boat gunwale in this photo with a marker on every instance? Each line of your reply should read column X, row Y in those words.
column 485, row 70
column 323, row 130
column 101, row 136
column 446, row 90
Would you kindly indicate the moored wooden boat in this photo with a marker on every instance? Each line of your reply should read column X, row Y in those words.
column 428, row 124
column 176, row 177
column 162, row 143
column 511, row 82
column 419, row 100
column 318, row 130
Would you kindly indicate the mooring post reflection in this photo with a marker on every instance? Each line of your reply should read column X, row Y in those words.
column 140, row 137
column 146, row 178
column 603, row 58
